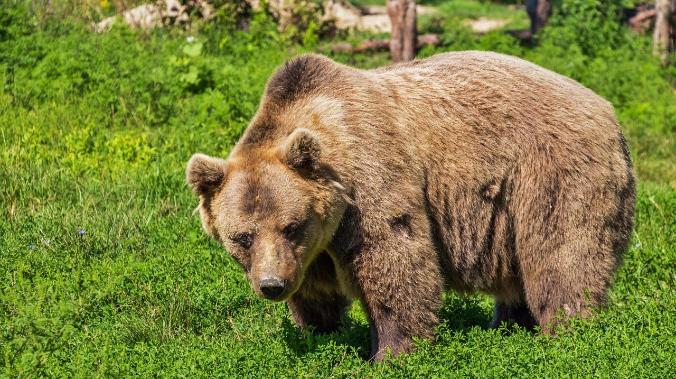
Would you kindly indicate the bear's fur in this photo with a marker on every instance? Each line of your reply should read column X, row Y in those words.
column 471, row 171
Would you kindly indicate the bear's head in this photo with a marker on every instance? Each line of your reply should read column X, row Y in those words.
column 273, row 207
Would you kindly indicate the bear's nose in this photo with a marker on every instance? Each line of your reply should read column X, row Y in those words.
column 272, row 287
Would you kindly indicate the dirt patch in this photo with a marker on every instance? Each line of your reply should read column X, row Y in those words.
column 484, row 25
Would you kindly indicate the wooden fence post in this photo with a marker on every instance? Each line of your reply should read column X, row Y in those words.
column 663, row 35
column 402, row 15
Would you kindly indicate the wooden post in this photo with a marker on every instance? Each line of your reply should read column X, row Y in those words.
column 410, row 31
column 663, row 35
column 402, row 15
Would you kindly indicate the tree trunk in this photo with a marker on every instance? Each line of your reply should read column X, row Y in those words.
column 662, row 36
column 410, row 32
column 402, row 14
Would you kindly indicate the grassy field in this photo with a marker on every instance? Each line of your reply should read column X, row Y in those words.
column 104, row 269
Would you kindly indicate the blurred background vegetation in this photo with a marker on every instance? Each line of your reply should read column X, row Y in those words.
column 104, row 270
column 588, row 40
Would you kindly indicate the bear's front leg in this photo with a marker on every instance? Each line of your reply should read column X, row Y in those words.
column 401, row 285
column 319, row 303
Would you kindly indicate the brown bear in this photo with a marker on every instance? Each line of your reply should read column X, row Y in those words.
column 471, row 171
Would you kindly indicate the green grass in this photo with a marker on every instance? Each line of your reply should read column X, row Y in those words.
column 95, row 131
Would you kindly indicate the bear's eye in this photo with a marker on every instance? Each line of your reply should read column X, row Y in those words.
column 243, row 239
column 291, row 231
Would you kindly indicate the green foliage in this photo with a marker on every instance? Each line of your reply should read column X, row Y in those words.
column 591, row 25
column 15, row 22
column 106, row 272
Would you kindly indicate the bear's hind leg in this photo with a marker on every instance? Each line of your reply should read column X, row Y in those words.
column 574, row 279
column 570, row 234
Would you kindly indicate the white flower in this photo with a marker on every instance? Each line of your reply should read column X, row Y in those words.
column 190, row 39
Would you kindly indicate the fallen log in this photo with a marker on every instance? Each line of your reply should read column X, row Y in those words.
column 381, row 44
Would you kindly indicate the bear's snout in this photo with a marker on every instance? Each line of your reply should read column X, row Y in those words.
column 272, row 287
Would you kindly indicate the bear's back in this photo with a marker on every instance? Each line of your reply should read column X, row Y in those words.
column 482, row 104
column 500, row 88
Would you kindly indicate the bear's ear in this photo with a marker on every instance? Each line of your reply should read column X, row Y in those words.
column 301, row 151
column 204, row 174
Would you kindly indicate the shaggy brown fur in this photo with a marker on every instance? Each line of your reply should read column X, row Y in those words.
column 472, row 171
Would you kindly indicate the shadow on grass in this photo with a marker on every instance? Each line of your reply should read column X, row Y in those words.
column 458, row 313
column 351, row 334
column 463, row 313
